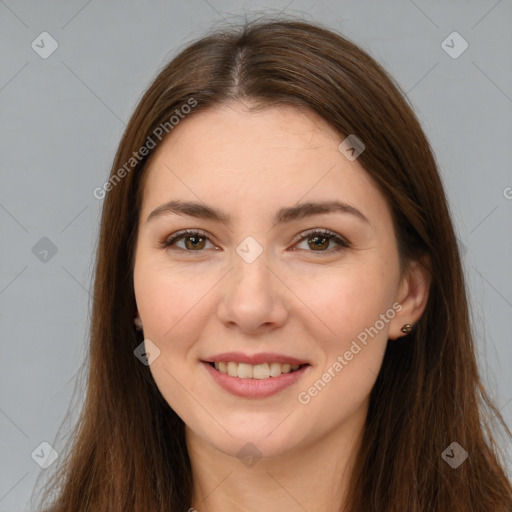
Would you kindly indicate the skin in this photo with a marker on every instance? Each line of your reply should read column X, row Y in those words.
column 309, row 303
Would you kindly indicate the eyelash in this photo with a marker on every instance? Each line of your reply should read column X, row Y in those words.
column 330, row 235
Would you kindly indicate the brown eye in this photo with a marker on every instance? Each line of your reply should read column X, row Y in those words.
column 319, row 240
column 194, row 241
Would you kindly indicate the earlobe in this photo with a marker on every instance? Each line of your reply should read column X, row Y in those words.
column 406, row 328
column 413, row 297
column 138, row 323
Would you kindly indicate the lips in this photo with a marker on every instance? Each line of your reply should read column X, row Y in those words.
column 255, row 376
column 254, row 359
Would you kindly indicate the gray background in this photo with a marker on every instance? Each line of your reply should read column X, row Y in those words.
column 62, row 118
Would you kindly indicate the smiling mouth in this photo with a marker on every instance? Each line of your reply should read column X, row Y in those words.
column 256, row 371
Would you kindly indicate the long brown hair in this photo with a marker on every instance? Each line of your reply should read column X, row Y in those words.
column 129, row 453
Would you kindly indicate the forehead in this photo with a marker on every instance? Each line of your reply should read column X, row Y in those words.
column 256, row 159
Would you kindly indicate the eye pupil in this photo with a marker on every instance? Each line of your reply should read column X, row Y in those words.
column 196, row 238
column 315, row 239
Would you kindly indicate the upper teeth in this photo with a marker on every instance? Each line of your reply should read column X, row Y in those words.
column 256, row 371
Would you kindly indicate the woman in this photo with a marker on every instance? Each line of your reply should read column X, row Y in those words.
column 280, row 317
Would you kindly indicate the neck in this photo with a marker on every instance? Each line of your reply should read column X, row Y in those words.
column 313, row 477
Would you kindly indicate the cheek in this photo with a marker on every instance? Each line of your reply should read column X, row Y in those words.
column 167, row 299
column 352, row 339
column 173, row 307
column 346, row 301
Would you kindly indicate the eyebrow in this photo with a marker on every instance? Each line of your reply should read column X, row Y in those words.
column 284, row 215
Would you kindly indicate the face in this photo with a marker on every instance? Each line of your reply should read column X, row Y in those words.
column 295, row 304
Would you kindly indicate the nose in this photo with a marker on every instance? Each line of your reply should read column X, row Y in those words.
column 254, row 297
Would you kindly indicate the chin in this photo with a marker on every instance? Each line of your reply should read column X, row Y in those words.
column 267, row 436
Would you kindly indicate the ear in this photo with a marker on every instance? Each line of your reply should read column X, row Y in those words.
column 412, row 296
